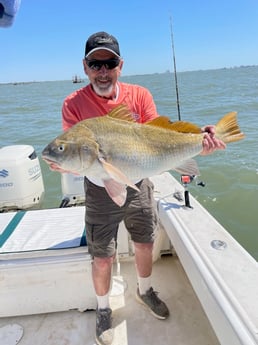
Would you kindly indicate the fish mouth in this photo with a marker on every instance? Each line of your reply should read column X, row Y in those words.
column 54, row 166
column 48, row 160
column 52, row 163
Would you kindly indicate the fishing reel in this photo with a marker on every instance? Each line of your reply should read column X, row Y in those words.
column 186, row 180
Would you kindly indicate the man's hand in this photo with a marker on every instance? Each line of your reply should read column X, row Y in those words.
column 210, row 142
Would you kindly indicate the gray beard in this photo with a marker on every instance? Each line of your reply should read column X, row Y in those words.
column 105, row 92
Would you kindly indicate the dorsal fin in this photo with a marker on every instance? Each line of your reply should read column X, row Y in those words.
column 178, row 126
column 121, row 112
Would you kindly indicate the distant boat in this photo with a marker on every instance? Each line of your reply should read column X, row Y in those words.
column 77, row 79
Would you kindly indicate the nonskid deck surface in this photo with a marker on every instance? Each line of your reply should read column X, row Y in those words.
column 133, row 324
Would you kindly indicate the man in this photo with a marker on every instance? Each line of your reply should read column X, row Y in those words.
column 103, row 64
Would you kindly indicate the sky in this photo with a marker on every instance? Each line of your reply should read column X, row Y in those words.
column 47, row 38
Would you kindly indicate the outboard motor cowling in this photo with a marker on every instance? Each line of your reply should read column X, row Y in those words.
column 21, row 182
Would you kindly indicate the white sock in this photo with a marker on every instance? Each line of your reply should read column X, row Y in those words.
column 103, row 301
column 144, row 284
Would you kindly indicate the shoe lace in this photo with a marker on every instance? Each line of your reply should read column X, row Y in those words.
column 153, row 296
column 104, row 319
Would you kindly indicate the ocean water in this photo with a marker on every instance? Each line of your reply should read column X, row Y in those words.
column 30, row 113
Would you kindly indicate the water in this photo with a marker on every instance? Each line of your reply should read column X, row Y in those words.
column 31, row 114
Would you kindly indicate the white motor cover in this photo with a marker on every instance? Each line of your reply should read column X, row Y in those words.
column 73, row 188
column 21, row 183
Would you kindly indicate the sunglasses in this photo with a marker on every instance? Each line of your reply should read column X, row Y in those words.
column 96, row 65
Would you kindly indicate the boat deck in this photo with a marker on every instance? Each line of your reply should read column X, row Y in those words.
column 133, row 324
column 45, row 270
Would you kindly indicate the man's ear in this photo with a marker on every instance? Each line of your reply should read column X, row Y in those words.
column 121, row 66
column 85, row 66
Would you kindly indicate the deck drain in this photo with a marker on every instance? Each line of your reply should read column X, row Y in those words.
column 218, row 244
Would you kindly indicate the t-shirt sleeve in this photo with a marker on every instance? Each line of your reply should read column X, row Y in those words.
column 144, row 104
column 150, row 110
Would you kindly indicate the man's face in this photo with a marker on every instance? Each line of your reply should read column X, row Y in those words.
column 103, row 76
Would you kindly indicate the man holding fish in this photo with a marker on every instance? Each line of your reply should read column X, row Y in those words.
column 116, row 193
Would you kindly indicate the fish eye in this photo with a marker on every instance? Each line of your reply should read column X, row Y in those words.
column 61, row 147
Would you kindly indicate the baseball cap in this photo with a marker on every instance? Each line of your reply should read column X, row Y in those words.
column 102, row 40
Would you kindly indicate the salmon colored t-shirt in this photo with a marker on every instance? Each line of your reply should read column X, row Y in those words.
column 85, row 103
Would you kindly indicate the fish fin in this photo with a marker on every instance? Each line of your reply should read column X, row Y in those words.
column 188, row 167
column 228, row 130
column 117, row 191
column 122, row 112
column 178, row 126
column 117, row 174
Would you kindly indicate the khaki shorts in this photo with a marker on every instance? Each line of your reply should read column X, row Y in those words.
column 103, row 216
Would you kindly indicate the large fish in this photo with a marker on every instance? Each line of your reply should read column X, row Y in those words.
column 119, row 151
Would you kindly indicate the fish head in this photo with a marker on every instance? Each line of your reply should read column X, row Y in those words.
column 70, row 156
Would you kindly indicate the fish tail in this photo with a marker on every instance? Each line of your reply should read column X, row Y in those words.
column 228, row 130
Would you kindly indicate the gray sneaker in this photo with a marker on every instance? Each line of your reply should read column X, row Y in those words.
column 153, row 303
column 104, row 330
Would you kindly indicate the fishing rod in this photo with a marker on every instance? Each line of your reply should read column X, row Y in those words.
column 175, row 74
column 185, row 179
